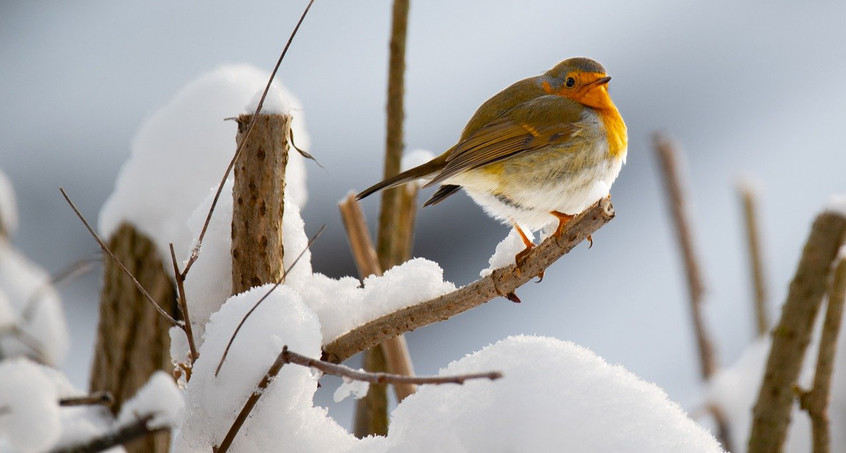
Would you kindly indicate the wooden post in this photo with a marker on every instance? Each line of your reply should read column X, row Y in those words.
column 258, row 194
column 132, row 338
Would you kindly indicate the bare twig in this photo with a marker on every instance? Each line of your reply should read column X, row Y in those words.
column 68, row 272
column 183, row 307
column 276, row 285
column 287, row 356
column 26, row 339
column 791, row 336
column 195, row 252
column 501, row 282
column 96, row 398
column 122, row 435
column 668, row 157
column 397, row 358
column 381, row 378
column 753, row 235
column 816, row 401
column 119, row 264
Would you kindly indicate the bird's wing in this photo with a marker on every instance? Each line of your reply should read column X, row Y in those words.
column 532, row 125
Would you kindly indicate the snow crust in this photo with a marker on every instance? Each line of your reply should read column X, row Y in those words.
column 837, row 203
column 30, row 419
column 183, row 149
column 505, row 251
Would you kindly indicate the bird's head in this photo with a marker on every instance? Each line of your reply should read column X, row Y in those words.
column 580, row 79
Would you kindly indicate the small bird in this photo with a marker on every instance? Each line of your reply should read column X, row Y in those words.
column 543, row 149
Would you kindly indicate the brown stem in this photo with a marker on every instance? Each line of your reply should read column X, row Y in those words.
column 397, row 357
column 96, row 398
column 501, row 282
column 195, row 252
column 183, row 307
column 750, row 215
column 816, row 401
column 668, row 157
column 771, row 415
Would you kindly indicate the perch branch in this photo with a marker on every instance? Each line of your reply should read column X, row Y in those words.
column 119, row 264
column 397, row 358
column 501, row 282
column 195, row 252
column 753, row 235
column 771, row 414
column 122, row 435
column 816, row 401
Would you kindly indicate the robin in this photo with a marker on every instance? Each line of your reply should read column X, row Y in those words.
column 543, row 149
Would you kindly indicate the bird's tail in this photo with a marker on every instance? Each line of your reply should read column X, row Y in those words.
column 420, row 171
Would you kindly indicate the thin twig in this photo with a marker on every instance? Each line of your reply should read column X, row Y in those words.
column 816, row 401
column 287, row 356
column 501, row 282
column 276, row 285
column 122, row 435
column 195, row 252
column 753, row 235
column 119, row 264
column 668, row 157
column 183, row 307
column 771, row 414
column 26, row 339
column 94, row 399
column 381, row 378
column 75, row 269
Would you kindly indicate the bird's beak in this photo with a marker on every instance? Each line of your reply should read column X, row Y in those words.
column 602, row 81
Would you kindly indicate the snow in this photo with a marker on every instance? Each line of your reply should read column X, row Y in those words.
column 837, row 204
column 285, row 410
column 183, row 149
column 8, row 207
column 159, row 397
column 554, row 396
column 350, row 387
column 414, row 158
column 33, row 305
column 29, row 407
column 274, row 103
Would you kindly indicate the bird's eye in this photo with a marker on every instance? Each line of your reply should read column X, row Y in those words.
column 570, row 82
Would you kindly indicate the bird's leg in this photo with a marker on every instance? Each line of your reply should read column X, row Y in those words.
column 564, row 219
column 521, row 257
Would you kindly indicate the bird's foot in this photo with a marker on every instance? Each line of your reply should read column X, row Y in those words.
column 563, row 219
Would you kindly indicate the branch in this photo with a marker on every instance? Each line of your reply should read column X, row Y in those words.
column 791, row 336
column 816, row 401
column 287, row 356
column 382, row 378
column 668, row 157
column 119, row 264
column 96, row 398
column 122, row 435
column 195, row 252
column 183, row 307
column 500, row 283
column 753, row 235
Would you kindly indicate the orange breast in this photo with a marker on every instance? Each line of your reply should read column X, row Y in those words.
column 615, row 128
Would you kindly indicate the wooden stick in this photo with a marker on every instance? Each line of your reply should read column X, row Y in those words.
column 816, row 401
column 668, row 157
column 771, row 415
column 397, row 358
column 135, row 430
column 750, row 215
column 501, row 282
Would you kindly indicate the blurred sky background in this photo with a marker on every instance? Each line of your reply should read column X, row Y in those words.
column 753, row 87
